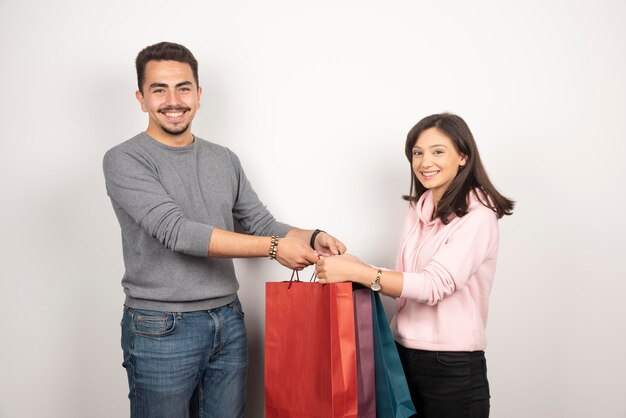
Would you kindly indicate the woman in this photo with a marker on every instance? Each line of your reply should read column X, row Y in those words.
column 444, row 270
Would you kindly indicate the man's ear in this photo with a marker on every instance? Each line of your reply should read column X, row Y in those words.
column 140, row 99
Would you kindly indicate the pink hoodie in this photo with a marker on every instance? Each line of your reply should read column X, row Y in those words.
column 448, row 273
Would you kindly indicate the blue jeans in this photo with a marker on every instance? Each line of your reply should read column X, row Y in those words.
column 185, row 364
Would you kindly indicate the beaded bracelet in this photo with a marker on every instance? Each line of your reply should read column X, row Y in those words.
column 273, row 248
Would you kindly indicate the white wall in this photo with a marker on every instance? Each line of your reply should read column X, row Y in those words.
column 316, row 98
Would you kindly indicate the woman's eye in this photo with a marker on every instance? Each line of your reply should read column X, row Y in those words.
column 438, row 152
column 417, row 153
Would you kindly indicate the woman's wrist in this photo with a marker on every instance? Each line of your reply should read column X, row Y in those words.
column 368, row 275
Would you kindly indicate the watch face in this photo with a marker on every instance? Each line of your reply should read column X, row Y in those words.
column 375, row 286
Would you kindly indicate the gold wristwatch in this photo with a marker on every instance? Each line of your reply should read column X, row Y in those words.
column 375, row 285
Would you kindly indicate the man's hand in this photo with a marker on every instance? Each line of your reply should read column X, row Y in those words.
column 327, row 245
column 295, row 253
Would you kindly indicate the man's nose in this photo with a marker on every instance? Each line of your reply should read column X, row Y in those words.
column 171, row 98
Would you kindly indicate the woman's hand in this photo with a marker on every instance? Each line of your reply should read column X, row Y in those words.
column 343, row 268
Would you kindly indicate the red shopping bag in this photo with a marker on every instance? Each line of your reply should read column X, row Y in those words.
column 310, row 351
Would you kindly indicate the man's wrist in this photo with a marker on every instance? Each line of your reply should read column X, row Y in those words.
column 314, row 237
column 273, row 248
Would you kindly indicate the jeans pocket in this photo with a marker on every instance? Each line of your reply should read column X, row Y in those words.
column 153, row 323
column 453, row 358
column 238, row 308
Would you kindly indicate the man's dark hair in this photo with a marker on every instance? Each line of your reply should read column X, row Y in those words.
column 164, row 51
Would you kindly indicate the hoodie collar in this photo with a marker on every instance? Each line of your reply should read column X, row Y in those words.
column 425, row 207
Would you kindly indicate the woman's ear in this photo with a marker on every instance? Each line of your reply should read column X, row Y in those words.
column 463, row 160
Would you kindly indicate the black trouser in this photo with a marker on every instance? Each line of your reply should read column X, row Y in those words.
column 447, row 384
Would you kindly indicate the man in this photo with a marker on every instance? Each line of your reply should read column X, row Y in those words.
column 175, row 196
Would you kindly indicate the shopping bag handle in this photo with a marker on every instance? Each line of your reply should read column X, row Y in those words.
column 295, row 273
column 313, row 276
column 311, row 280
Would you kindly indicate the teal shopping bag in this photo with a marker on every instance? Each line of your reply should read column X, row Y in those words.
column 393, row 399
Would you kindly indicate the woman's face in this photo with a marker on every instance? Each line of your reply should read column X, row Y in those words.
column 436, row 161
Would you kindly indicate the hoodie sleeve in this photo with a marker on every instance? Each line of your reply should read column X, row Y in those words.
column 468, row 247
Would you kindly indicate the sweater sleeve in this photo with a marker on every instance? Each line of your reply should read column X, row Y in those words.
column 132, row 183
column 463, row 253
column 249, row 211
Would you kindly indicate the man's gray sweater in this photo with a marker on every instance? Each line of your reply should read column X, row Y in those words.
column 167, row 201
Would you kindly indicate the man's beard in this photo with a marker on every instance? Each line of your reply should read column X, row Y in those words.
column 179, row 130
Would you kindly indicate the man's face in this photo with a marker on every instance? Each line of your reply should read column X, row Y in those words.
column 170, row 97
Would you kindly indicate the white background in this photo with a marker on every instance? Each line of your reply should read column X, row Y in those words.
column 316, row 98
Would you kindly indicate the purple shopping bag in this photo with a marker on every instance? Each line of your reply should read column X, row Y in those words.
column 366, row 379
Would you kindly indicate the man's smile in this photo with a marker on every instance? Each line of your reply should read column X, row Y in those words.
column 174, row 113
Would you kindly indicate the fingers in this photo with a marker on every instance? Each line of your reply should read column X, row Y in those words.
column 336, row 247
column 322, row 278
column 295, row 254
column 320, row 271
column 311, row 257
column 328, row 245
column 306, row 260
column 298, row 265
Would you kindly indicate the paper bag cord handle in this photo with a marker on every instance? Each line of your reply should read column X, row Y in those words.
column 291, row 279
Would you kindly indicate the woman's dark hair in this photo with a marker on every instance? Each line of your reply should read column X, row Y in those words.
column 470, row 177
column 164, row 51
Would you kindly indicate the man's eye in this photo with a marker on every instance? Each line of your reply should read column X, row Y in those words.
column 185, row 89
column 158, row 91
